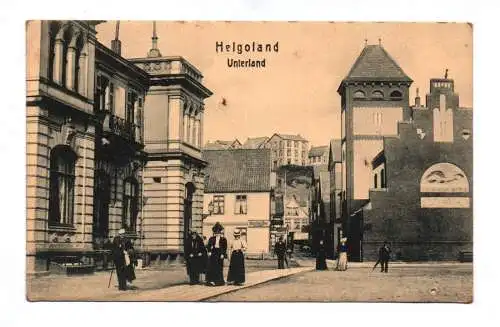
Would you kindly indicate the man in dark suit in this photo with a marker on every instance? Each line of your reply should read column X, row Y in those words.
column 118, row 248
column 280, row 251
column 384, row 254
column 217, row 252
column 194, row 257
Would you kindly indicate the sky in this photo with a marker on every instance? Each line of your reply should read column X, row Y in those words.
column 296, row 93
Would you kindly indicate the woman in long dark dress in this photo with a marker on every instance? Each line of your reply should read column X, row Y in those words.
column 217, row 252
column 131, row 262
column 236, row 274
column 321, row 257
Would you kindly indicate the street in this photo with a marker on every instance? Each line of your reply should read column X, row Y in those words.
column 429, row 283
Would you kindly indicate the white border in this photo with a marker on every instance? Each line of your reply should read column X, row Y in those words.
column 16, row 311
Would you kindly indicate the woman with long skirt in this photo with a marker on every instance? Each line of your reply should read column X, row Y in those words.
column 236, row 274
column 342, row 262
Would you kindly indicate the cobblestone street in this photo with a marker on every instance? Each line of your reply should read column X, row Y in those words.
column 403, row 283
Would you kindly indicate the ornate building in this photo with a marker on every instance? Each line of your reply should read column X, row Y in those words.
column 173, row 177
column 390, row 150
column 86, row 109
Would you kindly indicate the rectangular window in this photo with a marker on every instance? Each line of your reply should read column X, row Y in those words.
column 375, row 180
column 240, row 207
column 218, row 201
column 382, row 179
column 62, row 188
column 289, row 152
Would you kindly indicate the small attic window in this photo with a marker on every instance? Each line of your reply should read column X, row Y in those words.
column 359, row 95
column 396, row 94
column 377, row 94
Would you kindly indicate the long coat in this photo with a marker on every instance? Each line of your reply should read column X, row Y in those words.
column 196, row 248
column 215, row 262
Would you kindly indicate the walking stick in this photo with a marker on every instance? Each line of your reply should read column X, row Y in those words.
column 111, row 275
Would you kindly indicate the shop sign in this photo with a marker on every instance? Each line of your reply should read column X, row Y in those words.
column 258, row 223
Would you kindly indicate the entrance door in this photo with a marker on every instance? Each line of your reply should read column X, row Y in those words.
column 188, row 210
column 101, row 207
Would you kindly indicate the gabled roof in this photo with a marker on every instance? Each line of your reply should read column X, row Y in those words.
column 317, row 151
column 336, row 150
column 221, row 145
column 255, row 142
column 297, row 137
column 375, row 64
column 237, row 170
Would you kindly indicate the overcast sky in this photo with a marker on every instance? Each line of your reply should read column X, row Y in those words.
column 297, row 90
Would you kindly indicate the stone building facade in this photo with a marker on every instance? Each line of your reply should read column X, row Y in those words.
column 388, row 148
column 111, row 143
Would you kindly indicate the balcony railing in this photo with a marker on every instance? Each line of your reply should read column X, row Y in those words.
column 119, row 126
column 168, row 65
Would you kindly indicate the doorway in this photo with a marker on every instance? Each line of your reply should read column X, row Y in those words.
column 102, row 191
column 188, row 210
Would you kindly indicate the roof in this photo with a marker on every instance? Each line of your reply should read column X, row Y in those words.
column 237, row 170
column 220, row 145
column 318, row 169
column 336, row 149
column 255, row 142
column 291, row 137
column 375, row 63
column 317, row 151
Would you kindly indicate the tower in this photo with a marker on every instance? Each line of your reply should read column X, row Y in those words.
column 173, row 177
column 374, row 98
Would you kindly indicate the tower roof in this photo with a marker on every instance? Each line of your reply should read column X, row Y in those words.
column 375, row 64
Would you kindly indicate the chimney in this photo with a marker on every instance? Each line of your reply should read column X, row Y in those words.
column 116, row 44
column 417, row 100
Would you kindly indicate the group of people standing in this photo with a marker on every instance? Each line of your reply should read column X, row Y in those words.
column 124, row 259
column 208, row 259
column 384, row 255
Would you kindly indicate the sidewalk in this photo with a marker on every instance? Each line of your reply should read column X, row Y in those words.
column 370, row 264
column 192, row 293
column 152, row 284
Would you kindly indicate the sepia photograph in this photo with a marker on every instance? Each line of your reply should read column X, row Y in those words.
column 249, row 161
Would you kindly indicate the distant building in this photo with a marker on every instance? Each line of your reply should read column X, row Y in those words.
column 222, row 145
column 288, row 150
column 335, row 170
column 239, row 194
column 255, row 142
column 296, row 218
column 318, row 155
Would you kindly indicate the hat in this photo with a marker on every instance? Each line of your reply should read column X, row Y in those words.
column 343, row 239
column 236, row 233
column 121, row 231
column 217, row 228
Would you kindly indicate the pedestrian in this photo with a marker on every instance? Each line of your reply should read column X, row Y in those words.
column 280, row 251
column 321, row 256
column 204, row 259
column 118, row 253
column 384, row 254
column 236, row 274
column 217, row 252
column 130, row 262
column 342, row 260
column 194, row 257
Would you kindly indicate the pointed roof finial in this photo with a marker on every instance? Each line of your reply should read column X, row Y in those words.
column 116, row 44
column 154, row 51
column 379, row 41
column 117, row 31
column 366, row 42
column 417, row 91
column 446, row 73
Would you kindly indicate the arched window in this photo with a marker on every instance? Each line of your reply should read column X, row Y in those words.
column 377, row 94
column 66, row 41
column 62, row 185
column 396, row 94
column 130, row 203
column 54, row 28
column 375, row 179
column 359, row 94
column 78, row 68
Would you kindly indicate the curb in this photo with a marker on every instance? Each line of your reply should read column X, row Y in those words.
column 256, row 284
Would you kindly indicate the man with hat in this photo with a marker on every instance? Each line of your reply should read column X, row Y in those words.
column 217, row 251
column 280, row 251
column 118, row 253
column 195, row 250
column 384, row 254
